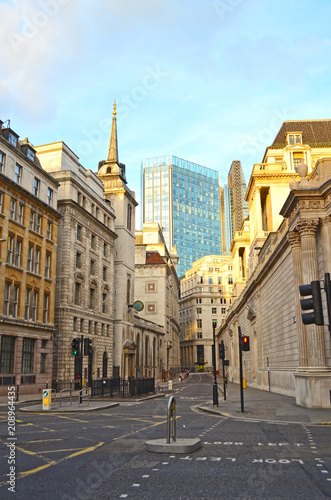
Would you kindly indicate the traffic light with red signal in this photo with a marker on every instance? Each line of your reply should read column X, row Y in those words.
column 245, row 343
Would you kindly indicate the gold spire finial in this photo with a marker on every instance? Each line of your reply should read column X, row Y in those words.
column 114, row 112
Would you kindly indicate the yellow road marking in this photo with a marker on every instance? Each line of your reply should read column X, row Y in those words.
column 55, row 451
column 76, row 419
column 55, row 462
column 27, row 451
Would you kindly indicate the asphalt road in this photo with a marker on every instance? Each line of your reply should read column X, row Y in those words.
column 100, row 455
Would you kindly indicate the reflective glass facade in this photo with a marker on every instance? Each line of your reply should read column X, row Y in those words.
column 184, row 198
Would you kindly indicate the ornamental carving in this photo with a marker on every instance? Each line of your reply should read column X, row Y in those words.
column 307, row 226
column 326, row 219
column 328, row 200
column 293, row 238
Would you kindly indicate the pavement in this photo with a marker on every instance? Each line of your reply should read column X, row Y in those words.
column 258, row 405
column 264, row 405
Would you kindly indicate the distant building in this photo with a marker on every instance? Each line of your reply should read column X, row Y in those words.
column 28, row 248
column 236, row 208
column 205, row 296
column 183, row 197
column 85, row 267
column 157, row 286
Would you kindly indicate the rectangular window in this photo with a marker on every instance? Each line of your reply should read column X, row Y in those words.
column 36, row 261
column 230, row 280
column 18, row 174
column 46, row 305
column 78, row 287
column 75, row 324
column 43, row 362
column 49, row 230
column 49, row 196
column 90, row 326
column 104, row 299
column 1, row 201
column 34, row 305
column 104, row 274
column 10, row 250
column 81, row 325
column 199, row 310
column 199, row 335
column 47, row 265
column 92, row 241
column 18, row 250
column 219, row 280
column 198, row 301
column 78, row 260
column 12, row 210
column 6, row 299
column 2, row 161
column 79, row 233
column 223, row 310
column 7, row 354
column 20, row 213
column 102, row 328
column 30, row 257
column 27, row 303
column 210, row 281
column 38, row 224
column 92, row 267
column 92, row 296
column 32, row 219
column 105, row 249
column 36, row 186
column 213, row 310
column 28, row 355
column 199, row 323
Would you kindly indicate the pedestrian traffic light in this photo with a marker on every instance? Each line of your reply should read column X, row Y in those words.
column 87, row 347
column 221, row 350
column 245, row 343
column 75, row 347
column 313, row 303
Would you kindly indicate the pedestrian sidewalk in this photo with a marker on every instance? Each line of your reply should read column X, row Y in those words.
column 268, row 406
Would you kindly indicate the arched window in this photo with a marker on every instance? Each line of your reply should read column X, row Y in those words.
column 146, row 352
column 108, row 170
column 104, row 364
column 138, row 349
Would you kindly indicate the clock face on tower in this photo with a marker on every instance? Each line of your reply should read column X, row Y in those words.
column 138, row 305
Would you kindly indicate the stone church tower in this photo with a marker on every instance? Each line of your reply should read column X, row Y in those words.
column 119, row 196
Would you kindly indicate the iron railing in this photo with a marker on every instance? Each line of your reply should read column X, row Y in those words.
column 117, row 387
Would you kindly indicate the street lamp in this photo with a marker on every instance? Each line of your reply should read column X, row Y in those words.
column 215, row 388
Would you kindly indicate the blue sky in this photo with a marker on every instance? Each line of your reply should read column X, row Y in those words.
column 209, row 81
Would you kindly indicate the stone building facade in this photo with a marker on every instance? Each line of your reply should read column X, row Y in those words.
column 28, row 249
column 205, row 296
column 157, row 286
column 85, row 267
column 289, row 246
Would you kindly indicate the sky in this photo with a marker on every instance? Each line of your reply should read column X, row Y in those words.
column 209, row 81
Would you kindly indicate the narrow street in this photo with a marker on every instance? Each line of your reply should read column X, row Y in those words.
column 101, row 454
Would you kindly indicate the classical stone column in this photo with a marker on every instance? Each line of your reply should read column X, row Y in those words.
column 258, row 209
column 315, row 334
column 295, row 243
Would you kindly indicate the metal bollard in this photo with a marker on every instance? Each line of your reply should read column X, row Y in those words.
column 171, row 413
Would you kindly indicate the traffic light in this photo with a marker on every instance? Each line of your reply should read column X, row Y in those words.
column 221, row 350
column 87, row 347
column 313, row 303
column 245, row 343
column 75, row 347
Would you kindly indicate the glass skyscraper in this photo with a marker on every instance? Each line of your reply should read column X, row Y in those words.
column 183, row 197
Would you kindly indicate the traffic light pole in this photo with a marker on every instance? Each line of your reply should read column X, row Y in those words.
column 224, row 384
column 81, row 368
column 241, row 370
column 215, row 388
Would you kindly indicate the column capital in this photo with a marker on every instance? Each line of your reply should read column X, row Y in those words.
column 307, row 226
column 293, row 238
column 326, row 219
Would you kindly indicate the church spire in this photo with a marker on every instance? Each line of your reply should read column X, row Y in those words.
column 113, row 147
